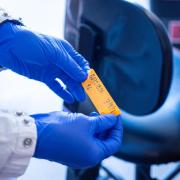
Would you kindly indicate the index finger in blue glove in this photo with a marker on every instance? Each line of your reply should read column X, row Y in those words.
column 76, row 56
column 69, row 65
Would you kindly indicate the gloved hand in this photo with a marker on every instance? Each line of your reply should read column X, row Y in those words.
column 73, row 139
column 43, row 58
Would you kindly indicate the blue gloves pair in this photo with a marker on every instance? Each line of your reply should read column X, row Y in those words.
column 75, row 140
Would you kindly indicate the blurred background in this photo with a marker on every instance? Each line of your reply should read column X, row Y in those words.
column 19, row 93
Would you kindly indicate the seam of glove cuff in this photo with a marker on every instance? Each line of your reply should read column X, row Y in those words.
column 24, row 148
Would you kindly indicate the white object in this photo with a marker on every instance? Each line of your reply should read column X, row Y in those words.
column 18, row 135
column 17, row 143
column 4, row 16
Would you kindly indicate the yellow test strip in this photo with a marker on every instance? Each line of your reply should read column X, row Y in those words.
column 99, row 95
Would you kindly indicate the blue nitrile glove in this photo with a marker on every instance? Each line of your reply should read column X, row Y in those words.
column 71, row 139
column 43, row 58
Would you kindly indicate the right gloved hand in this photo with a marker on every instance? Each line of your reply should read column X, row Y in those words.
column 74, row 139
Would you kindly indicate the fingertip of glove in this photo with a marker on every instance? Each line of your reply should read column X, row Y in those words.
column 82, row 76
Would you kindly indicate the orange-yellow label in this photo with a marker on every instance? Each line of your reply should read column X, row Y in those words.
column 99, row 95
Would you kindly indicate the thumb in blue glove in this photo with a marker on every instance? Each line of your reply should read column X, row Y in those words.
column 70, row 139
column 43, row 58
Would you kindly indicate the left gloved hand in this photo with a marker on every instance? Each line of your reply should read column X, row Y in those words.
column 77, row 140
column 43, row 58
